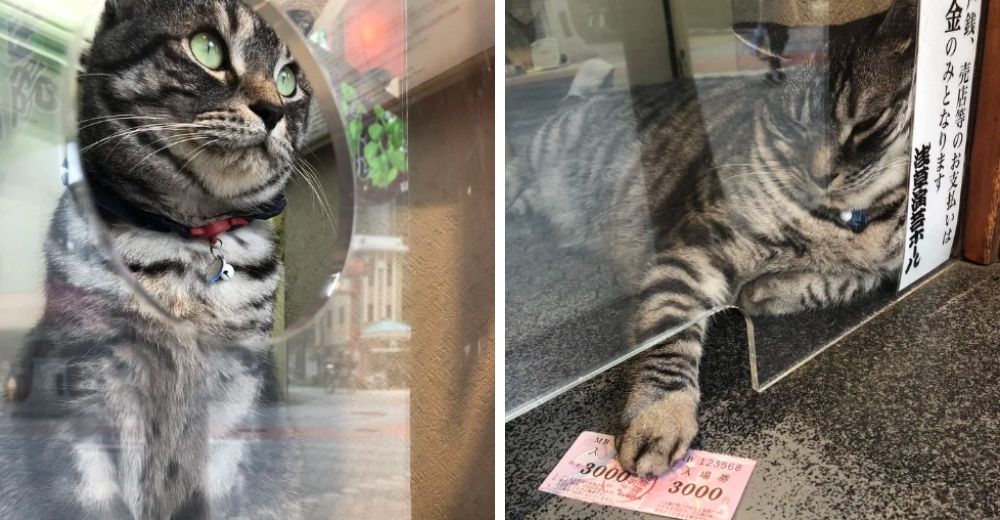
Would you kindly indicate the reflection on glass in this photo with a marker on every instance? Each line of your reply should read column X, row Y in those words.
column 668, row 159
column 188, row 336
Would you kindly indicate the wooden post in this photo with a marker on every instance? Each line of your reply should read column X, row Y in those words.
column 448, row 295
column 981, row 233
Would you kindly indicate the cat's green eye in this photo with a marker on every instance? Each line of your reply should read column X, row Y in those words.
column 287, row 84
column 209, row 50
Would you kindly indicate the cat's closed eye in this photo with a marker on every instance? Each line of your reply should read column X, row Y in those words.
column 866, row 124
column 869, row 130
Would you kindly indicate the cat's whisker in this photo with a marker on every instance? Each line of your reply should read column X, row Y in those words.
column 140, row 129
column 166, row 127
column 125, row 116
column 310, row 184
column 198, row 151
column 183, row 139
column 315, row 177
column 864, row 178
column 123, row 134
column 316, row 188
column 762, row 172
column 899, row 162
column 757, row 170
column 114, row 119
column 731, row 165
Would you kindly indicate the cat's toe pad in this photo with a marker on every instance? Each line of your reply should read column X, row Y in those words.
column 659, row 435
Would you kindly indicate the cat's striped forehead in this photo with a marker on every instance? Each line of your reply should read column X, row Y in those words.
column 252, row 43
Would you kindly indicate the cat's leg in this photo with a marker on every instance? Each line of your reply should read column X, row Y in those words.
column 17, row 386
column 787, row 293
column 520, row 188
column 661, row 415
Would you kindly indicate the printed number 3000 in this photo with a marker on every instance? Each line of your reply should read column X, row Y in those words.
column 698, row 491
column 608, row 474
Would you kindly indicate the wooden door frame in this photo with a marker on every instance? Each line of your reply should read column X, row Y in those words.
column 981, row 221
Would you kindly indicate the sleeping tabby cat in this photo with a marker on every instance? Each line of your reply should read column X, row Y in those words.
column 192, row 115
column 774, row 197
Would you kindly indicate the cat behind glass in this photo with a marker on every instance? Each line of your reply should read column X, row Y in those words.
column 777, row 196
column 192, row 114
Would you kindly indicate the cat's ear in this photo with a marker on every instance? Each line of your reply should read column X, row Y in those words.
column 303, row 19
column 119, row 10
column 898, row 29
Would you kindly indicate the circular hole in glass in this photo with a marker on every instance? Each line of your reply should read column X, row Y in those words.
column 214, row 175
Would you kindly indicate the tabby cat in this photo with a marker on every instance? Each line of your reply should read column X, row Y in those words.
column 774, row 197
column 192, row 115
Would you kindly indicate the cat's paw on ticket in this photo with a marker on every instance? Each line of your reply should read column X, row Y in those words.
column 658, row 434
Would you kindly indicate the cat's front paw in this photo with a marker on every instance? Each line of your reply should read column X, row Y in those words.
column 768, row 295
column 518, row 207
column 520, row 202
column 659, row 434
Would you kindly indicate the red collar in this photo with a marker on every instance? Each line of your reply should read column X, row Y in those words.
column 213, row 230
column 110, row 204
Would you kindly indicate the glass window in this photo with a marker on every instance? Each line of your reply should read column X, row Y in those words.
column 668, row 160
column 115, row 175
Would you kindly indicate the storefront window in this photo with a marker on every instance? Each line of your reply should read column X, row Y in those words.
column 266, row 406
column 668, row 160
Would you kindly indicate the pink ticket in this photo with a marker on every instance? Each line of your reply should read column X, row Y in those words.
column 701, row 486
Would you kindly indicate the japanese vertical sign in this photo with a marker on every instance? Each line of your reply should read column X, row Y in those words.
column 946, row 56
column 28, row 88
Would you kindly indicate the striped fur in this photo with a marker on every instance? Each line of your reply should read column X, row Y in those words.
column 728, row 191
column 156, row 422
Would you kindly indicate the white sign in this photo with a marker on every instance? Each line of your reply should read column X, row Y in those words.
column 946, row 57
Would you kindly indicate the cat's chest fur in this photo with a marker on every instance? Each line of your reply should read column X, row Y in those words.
column 177, row 273
column 159, row 403
column 165, row 430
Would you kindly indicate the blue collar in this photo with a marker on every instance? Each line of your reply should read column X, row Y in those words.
column 857, row 220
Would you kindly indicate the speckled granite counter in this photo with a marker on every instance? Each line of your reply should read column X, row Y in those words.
column 899, row 420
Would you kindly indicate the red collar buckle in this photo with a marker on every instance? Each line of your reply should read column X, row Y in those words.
column 211, row 231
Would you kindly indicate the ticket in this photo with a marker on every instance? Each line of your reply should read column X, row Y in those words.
column 700, row 486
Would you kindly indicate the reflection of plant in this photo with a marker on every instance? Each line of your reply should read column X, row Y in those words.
column 378, row 149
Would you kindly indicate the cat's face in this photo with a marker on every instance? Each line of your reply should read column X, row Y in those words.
column 221, row 104
column 841, row 129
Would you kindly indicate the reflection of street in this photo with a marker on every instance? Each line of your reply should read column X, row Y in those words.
column 343, row 455
column 355, row 452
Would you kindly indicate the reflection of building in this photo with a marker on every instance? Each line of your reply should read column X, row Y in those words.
column 365, row 317
column 378, row 336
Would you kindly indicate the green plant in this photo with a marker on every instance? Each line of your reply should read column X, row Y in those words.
column 378, row 148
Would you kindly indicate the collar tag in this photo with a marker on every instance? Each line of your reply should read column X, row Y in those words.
column 219, row 270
